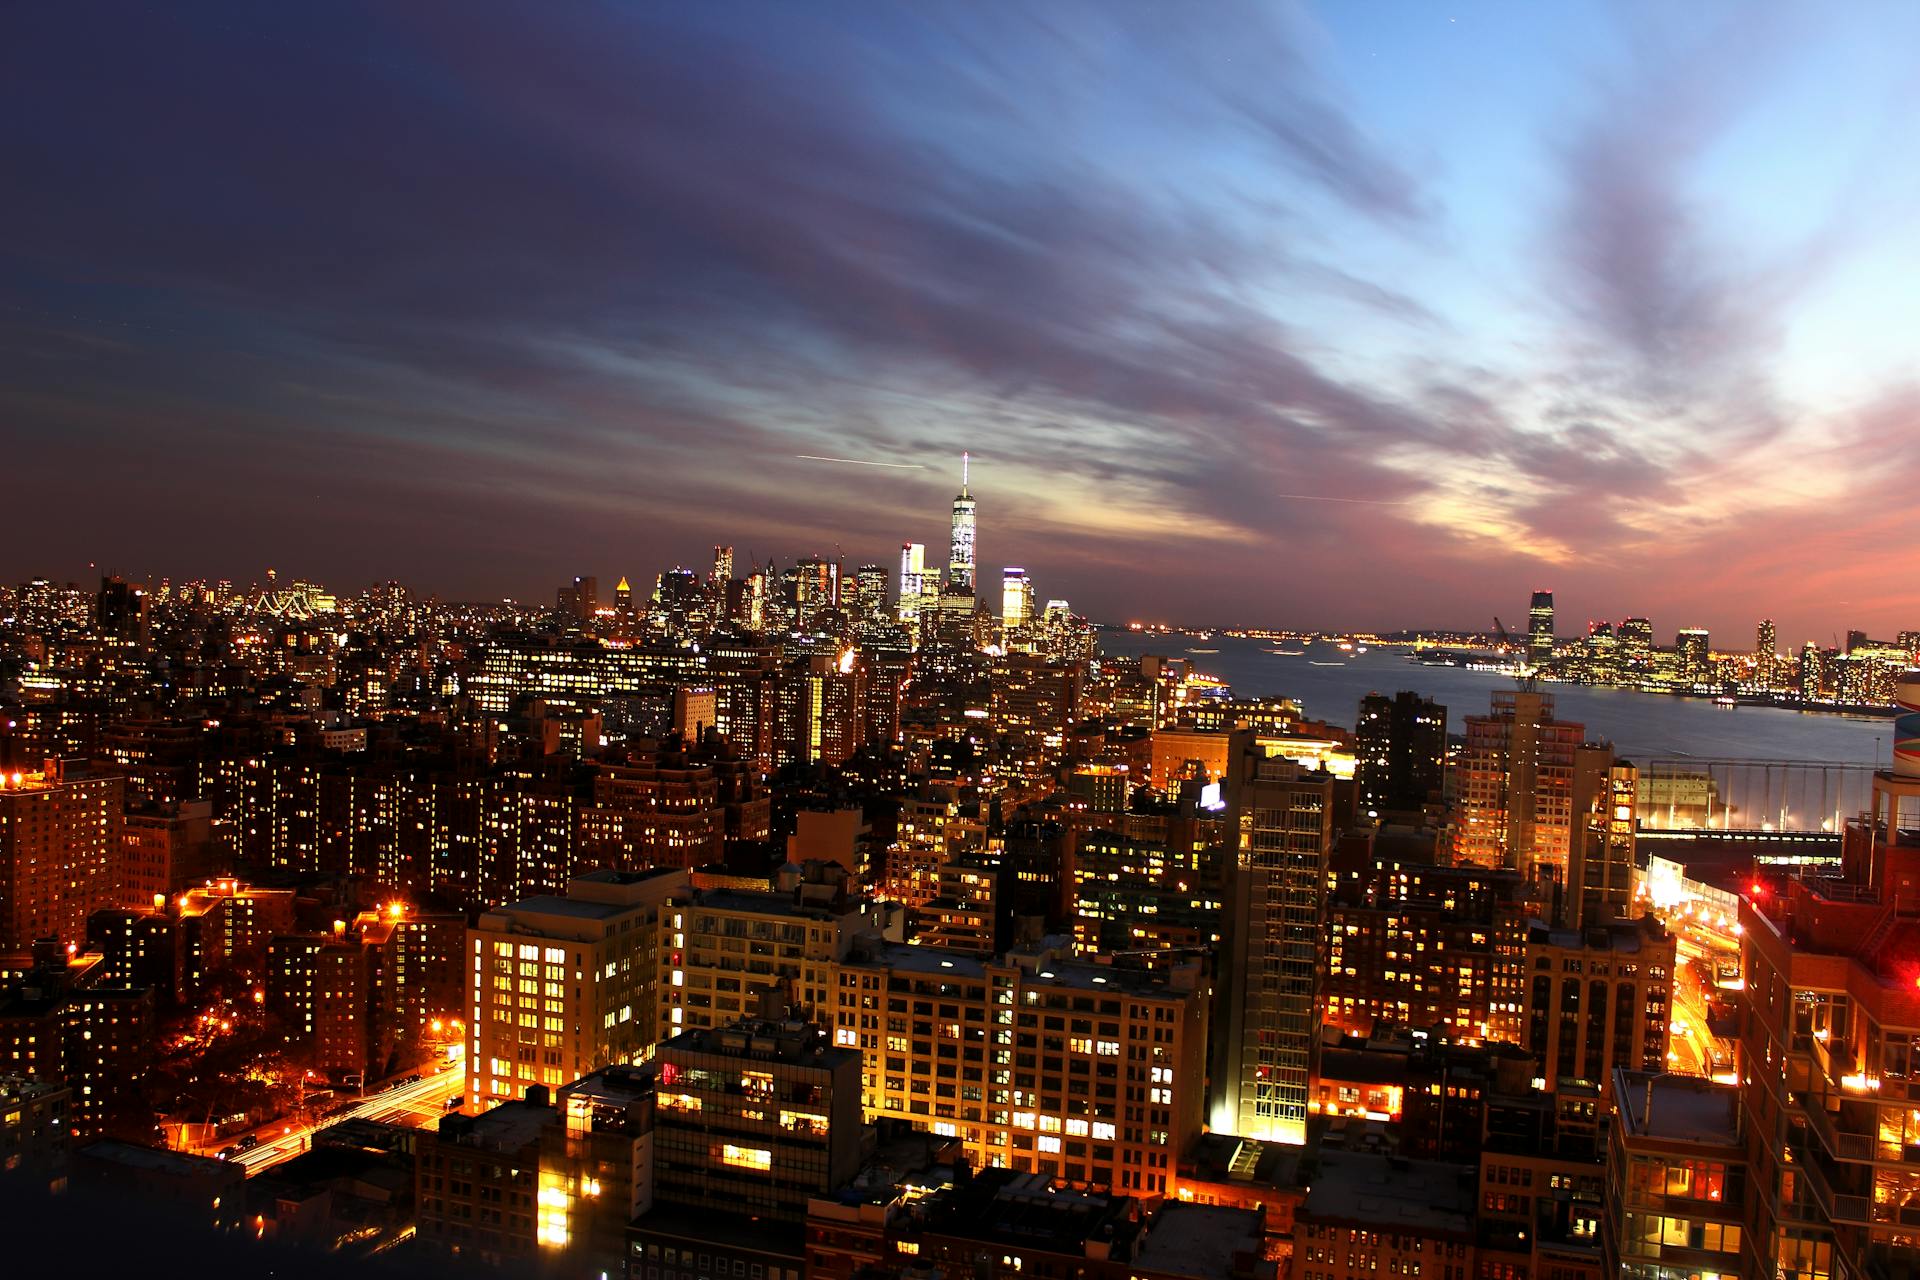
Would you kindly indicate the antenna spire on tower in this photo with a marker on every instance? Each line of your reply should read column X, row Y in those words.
column 966, row 460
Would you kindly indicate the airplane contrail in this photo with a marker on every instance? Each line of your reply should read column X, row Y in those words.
column 1322, row 497
column 861, row 462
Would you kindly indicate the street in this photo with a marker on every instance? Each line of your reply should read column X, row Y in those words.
column 415, row 1105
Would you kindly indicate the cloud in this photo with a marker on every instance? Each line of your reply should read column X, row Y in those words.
column 617, row 266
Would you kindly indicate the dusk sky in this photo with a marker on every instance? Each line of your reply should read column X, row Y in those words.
column 1356, row 314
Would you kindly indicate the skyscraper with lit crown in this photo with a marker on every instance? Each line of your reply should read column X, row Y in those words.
column 960, row 575
column 1540, row 629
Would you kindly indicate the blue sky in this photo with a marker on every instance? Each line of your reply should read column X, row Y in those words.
column 1357, row 314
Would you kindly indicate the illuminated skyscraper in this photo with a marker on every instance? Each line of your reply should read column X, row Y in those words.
column 1810, row 670
column 870, row 590
column 960, row 577
column 1266, row 1028
column 1690, row 647
column 756, row 601
column 816, row 583
column 1540, row 629
column 1766, row 653
column 1636, row 641
column 1016, row 598
column 722, row 566
column 913, row 573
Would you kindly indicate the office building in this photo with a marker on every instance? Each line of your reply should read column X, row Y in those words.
column 1266, row 1021
column 1540, row 629
column 560, row 987
column 1636, row 643
column 960, row 570
column 755, row 1116
column 1016, row 600
column 1090, row 1073
column 1692, row 656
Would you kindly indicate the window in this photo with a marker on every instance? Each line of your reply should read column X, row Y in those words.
column 757, row 1158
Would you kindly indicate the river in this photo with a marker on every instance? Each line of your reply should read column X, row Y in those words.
column 1641, row 726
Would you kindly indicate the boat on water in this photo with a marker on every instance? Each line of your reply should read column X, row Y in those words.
column 1724, row 701
column 1287, row 653
column 1318, row 663
column 1203, row 651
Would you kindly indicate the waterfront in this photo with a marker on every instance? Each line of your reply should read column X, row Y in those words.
column 1641, row 726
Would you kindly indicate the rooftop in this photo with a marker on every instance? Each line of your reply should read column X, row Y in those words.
column 177, row 1164
column 1006, row 1206
column 1389, row 1193
column 507, row 1127
column 792, row 1041
column 548, row 904
column 1677, row 1108
column 1199, row 1239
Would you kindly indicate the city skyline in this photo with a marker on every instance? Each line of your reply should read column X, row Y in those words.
column 1428, row 325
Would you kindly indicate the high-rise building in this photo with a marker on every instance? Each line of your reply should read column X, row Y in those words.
column 1603, row 846
column 1636, row 641
column 722, row 566
column 580, row 598
column 62, row 850
column 1540, row 629
column 1400, row 751
column 822, row 710
column 913, row 574
column 1691, row 648
column 1513, row 787
column 870, row 585
column 1266, row 1024
column 815, row 582
column 960, row 577
column 755, row 607
column 1016, row 599
column 562, row 986
column 121, row 610
column 1766, row 654
column 1812, row 670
